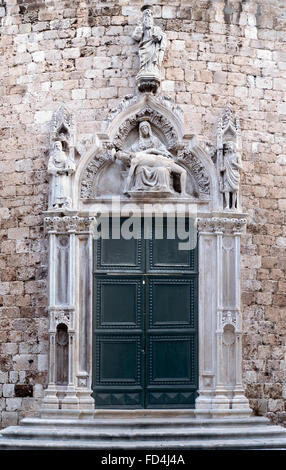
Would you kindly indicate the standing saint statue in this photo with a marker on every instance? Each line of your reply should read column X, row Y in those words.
column 230, row 172
column 60, row 167
column 152, row 43
column 151, row 166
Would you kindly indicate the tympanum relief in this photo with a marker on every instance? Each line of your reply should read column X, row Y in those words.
column 144, row 166
column 151, row 168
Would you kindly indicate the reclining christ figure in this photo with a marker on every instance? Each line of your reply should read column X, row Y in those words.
column 151, row 165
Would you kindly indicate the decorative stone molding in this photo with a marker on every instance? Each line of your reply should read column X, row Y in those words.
column 167, row 102
column 124, row 104
column 223, row 225
column 61, row 165
column 197, row 168
column 62, row 126
column 58, row 316
column 87, row 188
column 68, row 224
column 71, row 244
column 228, row 317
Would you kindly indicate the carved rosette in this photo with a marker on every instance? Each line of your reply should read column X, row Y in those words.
column 69, row 224
column 221, row 225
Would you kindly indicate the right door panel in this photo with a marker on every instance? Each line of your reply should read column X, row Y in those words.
column 171, row 341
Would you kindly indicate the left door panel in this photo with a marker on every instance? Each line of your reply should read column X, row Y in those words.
column 118, row 379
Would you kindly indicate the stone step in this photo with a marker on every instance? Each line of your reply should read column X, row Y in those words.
column 146, row 422
column 254, row 444
column 156, row 434
column 143, row 433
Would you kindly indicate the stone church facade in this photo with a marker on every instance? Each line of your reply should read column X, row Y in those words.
column 79, row 84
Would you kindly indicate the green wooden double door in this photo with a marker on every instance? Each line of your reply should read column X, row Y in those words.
column 145, row 326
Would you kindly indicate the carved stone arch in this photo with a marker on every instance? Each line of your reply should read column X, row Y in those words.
column 166, row 117
column 166, row 120
column 91, row 173
column 95, row 149
column 203, row 170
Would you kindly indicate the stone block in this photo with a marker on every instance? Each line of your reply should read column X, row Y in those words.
column 8, row 391
column 43, row 116
column 264, row 82
column 168, row 12
column 3, row 377
column 71, row 53
column 13, row 404
column 9, row 418
column 38, row 56
column 42, row 362
column 220, row 77
column 23, row 390
column 78, row 94
column 250, row 32
column 18, row 233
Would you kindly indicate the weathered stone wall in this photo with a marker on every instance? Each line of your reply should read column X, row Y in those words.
column 81, row 53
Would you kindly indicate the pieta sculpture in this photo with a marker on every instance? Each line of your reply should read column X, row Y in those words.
column 151, row 166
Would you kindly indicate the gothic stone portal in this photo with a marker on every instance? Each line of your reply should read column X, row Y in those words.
column 137, row 342
column 145, row 323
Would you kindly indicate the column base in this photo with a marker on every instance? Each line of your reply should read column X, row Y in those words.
column 50, row 400
column 239, row 401
column 70, row 401
column 204, row 400
column 221, row 401
column 85, row 399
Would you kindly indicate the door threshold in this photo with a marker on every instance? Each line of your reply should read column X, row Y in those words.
column 148, row 413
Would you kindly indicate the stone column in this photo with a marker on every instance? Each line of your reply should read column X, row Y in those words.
column 207, row 311
column 84, row 277
column 50, row 400
column 70, row 400
column 221, row 392
column 239, row 400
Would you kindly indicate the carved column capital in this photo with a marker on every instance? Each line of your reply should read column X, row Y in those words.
column 229, row 226
column 68, row 224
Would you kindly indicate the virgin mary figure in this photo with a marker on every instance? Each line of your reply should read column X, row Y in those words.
column 151, row 165
column 154, row 178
